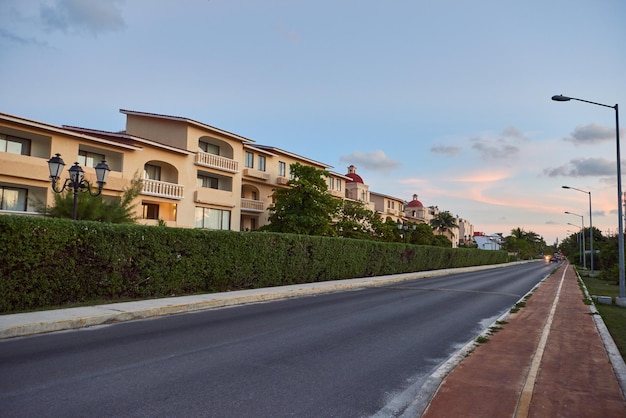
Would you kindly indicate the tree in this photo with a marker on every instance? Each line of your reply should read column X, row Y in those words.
column 94, row 208
column 526, row 244
column 305, row 207
column 422, row 235
column 356, row 221
column 443, row 221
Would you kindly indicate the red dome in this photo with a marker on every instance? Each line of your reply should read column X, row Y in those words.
column 355, row 178
column 353, row 175
column 415, row 203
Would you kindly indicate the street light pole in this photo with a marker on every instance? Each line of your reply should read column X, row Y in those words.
column 620, row 213
column 579, row 242
column 590, row 225
column 582, row 233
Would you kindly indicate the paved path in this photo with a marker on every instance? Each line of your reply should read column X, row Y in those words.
column 549, row 360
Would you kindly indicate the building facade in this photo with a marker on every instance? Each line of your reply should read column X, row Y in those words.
column 193, row 175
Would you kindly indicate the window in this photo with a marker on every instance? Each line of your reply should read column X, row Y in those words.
column 14, row 145
column 338, row 184
column 152, row 172
column 208, row 182
column 150, row 210
column 13, row 198
column 282, row 169
column 209, row 148
column 89, row 159
column 212, row 218
column 331, row 183
column 261, row 163
column 249, row 159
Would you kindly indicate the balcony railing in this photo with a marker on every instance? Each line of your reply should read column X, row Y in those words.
column 250, row 204
column 215, row 161
column 162, row 189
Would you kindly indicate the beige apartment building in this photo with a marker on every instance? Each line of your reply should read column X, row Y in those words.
column 193, row 174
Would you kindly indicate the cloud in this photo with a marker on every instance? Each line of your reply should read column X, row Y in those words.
column 504, row 146
column 11, row 37
column 583, row 167
column 374, row 160
column 591, row 134
column 448, row 151
column 92, row 15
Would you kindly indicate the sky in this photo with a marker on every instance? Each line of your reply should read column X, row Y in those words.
column 447, row 99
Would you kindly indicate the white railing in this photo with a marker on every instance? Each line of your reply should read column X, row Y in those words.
column 162, row 189
column 215, row 161
column 252, row 204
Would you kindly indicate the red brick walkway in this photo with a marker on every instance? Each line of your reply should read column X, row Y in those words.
column 547, row 361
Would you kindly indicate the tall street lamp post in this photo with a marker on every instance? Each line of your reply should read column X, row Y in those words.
column 620, row 224
column 76, row 181
column 582, row 222
column 579, row 242
column 590, row 225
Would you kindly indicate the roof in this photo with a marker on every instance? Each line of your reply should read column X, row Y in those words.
column 291, row 154
column 355, row 178
column 415, row 203
column 124, row 138
column 185, row 120
column 66, row 131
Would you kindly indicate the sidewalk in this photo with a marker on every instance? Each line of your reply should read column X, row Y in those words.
column 548, row 360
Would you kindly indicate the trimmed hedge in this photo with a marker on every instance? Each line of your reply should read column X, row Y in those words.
column 48, row 262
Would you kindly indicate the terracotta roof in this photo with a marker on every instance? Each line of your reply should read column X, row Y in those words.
column 415, row 203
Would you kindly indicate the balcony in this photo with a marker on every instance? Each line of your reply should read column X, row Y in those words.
column 249, row 205
column 250, row 172
column 206, row 159
column 162, row 189
column 282, row 180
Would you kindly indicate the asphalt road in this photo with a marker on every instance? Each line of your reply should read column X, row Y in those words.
column 349, row 354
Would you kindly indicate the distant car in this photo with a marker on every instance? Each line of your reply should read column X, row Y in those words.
column 555, row 258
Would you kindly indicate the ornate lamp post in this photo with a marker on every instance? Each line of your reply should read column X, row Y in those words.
column 620, row 224
column 402, row 226
column 590, row 224
column 76, row 181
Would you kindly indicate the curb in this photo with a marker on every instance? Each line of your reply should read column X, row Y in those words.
column 24, row 324
column 617, row 361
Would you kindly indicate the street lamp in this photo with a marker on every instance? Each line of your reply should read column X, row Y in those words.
column 582, row 220
column 402, row 226
column 590, row 224
column 580, row 243
column 76, row 181
column 620, row 224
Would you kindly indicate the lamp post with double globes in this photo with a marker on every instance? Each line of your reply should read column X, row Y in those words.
column 76, row 181
column 402, row 226
column 620, row 213
column 590, row 226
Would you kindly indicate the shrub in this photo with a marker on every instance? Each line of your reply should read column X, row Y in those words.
column 54, row 262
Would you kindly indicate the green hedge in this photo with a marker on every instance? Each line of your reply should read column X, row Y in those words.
column 48, row 262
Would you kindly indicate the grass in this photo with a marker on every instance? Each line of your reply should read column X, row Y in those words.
column 613, row 316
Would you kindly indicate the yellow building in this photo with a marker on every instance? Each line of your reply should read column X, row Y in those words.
column 193, row 174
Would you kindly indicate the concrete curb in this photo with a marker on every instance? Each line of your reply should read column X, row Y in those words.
column 617, row 361
column 23, row 324
column 428, row 390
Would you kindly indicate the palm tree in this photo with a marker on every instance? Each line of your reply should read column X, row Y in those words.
column 443, row 221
